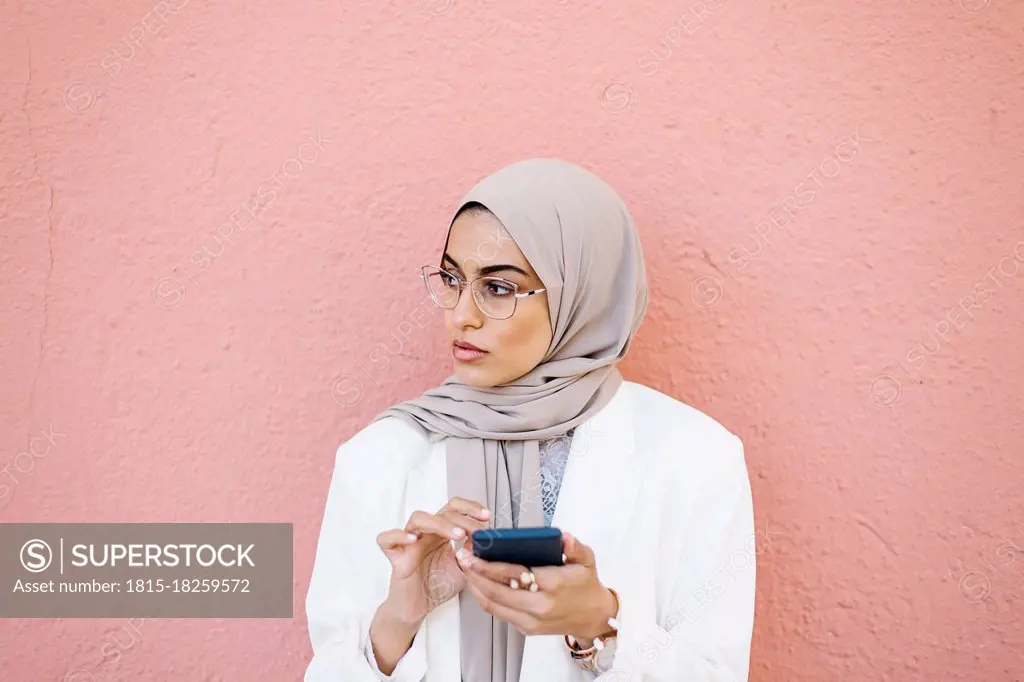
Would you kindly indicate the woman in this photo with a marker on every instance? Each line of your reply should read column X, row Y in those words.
column 653, row 497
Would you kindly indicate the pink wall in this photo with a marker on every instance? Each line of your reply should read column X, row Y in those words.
column 866, row 344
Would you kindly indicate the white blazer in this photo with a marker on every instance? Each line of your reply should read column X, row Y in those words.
column 659, row 491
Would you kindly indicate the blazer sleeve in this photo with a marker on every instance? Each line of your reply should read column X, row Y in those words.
column 350, row 573
column 704, row 633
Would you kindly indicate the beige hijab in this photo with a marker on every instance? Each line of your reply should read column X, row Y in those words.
column 580, row 239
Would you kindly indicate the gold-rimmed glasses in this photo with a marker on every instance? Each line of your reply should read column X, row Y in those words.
column 496, row 297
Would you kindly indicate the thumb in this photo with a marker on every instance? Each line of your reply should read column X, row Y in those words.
column 575, row 551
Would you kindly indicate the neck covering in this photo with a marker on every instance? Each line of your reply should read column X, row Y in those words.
column 580, row 239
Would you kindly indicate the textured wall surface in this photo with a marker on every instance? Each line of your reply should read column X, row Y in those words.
column 829, row 196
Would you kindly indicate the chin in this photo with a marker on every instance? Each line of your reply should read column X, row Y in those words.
column 473, row 376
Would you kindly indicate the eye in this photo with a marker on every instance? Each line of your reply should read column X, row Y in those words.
column 449, row 279
column 498, row 288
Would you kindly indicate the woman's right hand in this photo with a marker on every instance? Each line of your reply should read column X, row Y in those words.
column 424, row 572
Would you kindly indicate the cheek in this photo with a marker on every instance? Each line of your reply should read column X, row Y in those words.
column 531, row 334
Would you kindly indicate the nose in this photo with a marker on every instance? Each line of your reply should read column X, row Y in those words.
column 466, row 313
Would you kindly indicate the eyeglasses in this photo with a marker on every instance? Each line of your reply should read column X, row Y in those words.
column 496, row 297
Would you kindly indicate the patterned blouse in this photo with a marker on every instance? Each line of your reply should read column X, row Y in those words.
column 554, row 453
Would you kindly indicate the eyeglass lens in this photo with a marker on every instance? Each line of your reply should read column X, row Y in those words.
column 494, row 296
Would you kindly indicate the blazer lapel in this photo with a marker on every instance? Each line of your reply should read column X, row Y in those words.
column 595, row 501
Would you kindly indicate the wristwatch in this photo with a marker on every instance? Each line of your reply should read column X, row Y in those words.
column 599, row 655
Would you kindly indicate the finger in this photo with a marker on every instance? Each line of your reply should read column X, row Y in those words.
column 502, row 572
column 467, row 523
column 576, row 552
column 467, row 507
column 395, row 537
column 422, row 523
column 552, row 578
column 521, row 621
column 462, row 554
column 500, row 594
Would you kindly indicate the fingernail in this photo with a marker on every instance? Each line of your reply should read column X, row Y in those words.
column 458, row 532
column 525, row 577
column 410, row 537
column 485, row 513
column 563, row 558
column 533, row 587
column 514, row 584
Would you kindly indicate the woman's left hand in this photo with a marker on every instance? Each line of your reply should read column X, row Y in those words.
column 569, row 600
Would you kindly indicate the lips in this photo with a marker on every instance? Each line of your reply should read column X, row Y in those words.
column 467, row 352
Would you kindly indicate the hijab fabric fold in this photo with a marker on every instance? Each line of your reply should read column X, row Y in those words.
column 580, row 239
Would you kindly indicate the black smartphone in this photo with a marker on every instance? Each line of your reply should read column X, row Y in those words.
column 531, row 547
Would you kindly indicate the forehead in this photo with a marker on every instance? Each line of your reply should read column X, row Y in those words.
column 478, row 239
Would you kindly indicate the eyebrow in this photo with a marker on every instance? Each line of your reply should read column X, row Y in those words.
column 488, row 269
